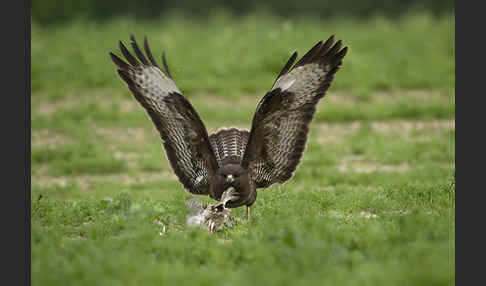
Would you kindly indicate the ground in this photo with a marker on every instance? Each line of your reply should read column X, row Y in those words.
column 372, row 202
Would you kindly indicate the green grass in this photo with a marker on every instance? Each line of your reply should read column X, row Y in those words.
column 372, row 202
column 226, row 57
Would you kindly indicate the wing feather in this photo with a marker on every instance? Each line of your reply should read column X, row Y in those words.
column 185, row 138
column 127, row 55
column 281, row 122
column 288, row 65
column 166, row 67
column 149, row 52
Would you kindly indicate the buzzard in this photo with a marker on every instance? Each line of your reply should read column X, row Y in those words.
column 233, row 161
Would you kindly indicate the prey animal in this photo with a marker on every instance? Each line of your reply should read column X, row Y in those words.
column 212, row 217
column 233, row 160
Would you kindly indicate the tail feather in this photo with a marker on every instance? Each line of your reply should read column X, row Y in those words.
column 229, row 145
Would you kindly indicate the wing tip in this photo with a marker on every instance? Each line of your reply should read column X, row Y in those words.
column 128, row 56
column 149, row 52
column 141, row 57
column 119, row 62
column 322, row 52
column 166, row 66
column 343, row 52
column 288, row 65
column 120, row 43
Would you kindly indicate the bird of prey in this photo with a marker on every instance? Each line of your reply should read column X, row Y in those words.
column 233, row 161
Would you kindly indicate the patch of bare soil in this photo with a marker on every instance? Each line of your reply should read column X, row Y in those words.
column 389, row 126
column 357, row 164
column 126, row 134
column 348, row 98
column 48, row 138
column 219, row 101
column 418, row 93
column 409, row 126
column 334, row 132
column 343, row 215
column 86, row 181
column 338, row 97
column 47, row 107
column 71, row 100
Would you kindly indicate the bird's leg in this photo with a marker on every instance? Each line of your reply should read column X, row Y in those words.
column 247, row 212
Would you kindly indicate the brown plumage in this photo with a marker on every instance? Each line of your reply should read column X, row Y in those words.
column 234, row 160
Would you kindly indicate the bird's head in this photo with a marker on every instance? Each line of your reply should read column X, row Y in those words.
column 231, row 174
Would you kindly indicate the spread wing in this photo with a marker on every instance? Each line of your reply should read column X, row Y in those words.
column 184, row 135
column 281, row 122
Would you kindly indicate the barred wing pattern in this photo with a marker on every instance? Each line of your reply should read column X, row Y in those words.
column 281, row 122
column 184, row 135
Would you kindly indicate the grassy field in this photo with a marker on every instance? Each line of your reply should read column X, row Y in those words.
column 372, row 203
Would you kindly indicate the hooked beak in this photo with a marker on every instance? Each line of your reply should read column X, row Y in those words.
column 228, row 195
column 229, row 178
